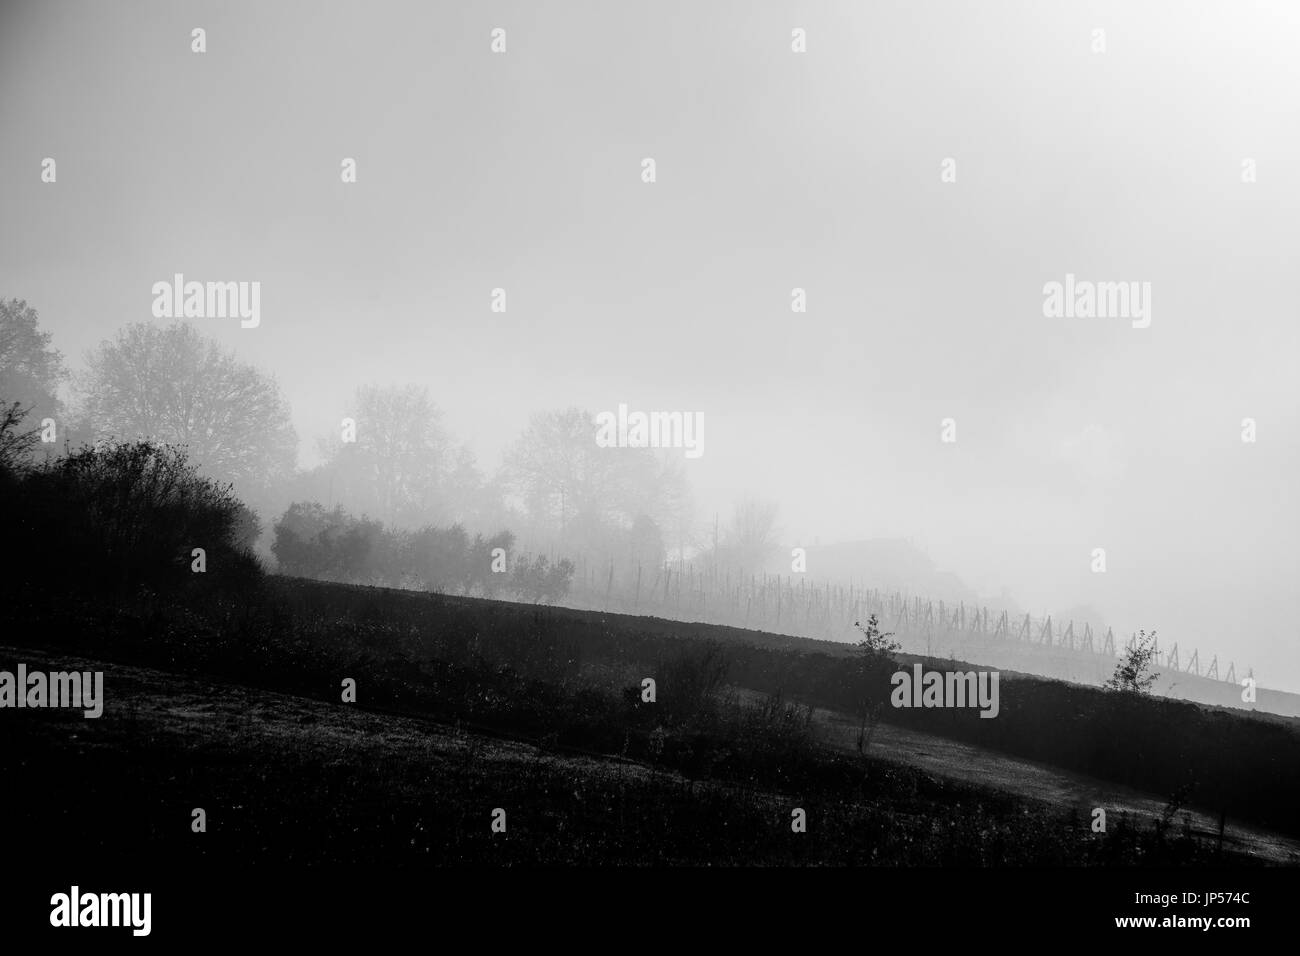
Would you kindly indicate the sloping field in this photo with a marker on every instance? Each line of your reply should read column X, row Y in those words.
column 1055, row 787
column 356, row 785
column 1040, row 782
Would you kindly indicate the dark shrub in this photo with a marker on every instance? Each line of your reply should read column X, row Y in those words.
column 686, row 684
column 124, row 517
column 331, row 545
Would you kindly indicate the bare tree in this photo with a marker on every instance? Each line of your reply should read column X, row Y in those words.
column 397, row 468
column 172, row 385
column 1133, row 674
column 15, row 444
column 751, row 533
column 30, row 370
column 875, row 663
column 570, row 485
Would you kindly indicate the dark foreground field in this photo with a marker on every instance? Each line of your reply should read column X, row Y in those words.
column 288, row 779
column 466, row 707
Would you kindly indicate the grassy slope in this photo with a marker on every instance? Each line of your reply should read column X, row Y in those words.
column 289, row 779
column 350, row 785
column 357, row 786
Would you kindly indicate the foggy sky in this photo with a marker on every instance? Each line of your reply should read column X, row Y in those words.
column 775, row 170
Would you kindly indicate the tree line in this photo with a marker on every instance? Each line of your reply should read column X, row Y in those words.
column 391, row 460
column 333, row 545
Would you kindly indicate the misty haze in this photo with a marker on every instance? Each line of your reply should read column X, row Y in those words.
column 872, row 425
